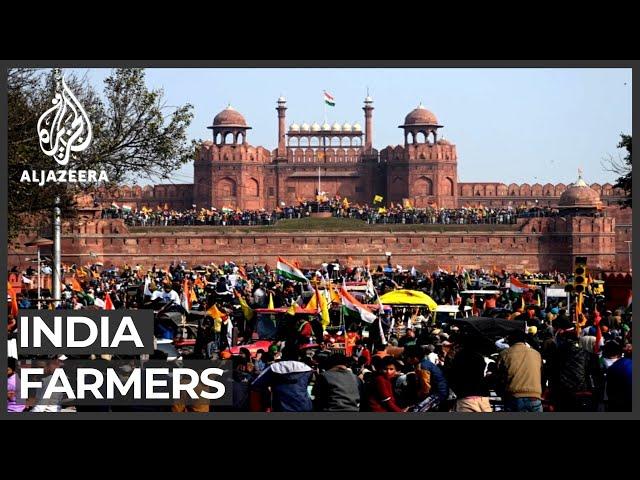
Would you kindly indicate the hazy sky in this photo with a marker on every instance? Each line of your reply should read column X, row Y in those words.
column 509, row 125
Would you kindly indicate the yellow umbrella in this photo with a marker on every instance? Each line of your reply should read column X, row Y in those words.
column 408, row 297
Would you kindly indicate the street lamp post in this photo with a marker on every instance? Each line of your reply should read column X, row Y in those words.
column 628, row 242
column 39, row 242
column 57, row 277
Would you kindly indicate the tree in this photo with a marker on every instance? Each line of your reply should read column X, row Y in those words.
column 135, row 136
column 622, row 167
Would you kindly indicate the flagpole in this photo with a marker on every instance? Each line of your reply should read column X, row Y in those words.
column 324, row 104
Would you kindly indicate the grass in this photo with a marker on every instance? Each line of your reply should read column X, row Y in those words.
column 328, row 225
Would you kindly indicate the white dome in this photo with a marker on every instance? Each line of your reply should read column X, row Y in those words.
column 282, row 100
column 304, row 127
column 326, row 126
column 294, row 127
column 315, row 127
column 336, row 127
column 368, row 99
column 357, row 127
column 346, row 127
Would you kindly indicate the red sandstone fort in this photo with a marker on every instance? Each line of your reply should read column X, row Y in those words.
column 229, row 171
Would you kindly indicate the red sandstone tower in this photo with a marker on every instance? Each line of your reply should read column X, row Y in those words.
column 425, row 169
column 229, row 172
column 368, row 124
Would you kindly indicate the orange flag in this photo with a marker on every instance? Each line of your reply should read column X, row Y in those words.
column 213, row 312
column 242, row 272
column 75, row 285
column 14, row 300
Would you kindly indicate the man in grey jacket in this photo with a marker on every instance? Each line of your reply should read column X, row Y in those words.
column 337, row 389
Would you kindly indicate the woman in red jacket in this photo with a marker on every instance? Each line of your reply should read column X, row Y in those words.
column 380, row 396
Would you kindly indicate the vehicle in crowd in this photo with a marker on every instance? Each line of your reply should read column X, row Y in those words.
column 252, row 346
column 166, row 346
column 445, row 313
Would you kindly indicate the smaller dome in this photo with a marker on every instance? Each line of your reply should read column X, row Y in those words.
column 357, row 127
column 336, row 127
column 282, row 100
column 326, row 127
column 368, row 99
column 346, row 127
column 315, row 127
column 229, row 117
column 294, row 127
column 420, row 116
column 579, row 195
column 444, row 141
column 304, row 127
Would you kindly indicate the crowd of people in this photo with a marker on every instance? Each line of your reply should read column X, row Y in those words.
column 547, row 357
column 371, row 214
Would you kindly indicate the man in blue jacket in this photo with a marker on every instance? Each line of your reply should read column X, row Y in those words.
column 288, row 380
column 414, row 354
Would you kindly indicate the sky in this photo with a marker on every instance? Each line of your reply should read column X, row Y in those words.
column 509, row 125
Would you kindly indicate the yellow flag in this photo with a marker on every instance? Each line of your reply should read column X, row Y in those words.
column 292, row 309
column 246, row 309
column 324, row 310
column 377, row 198
column 271, row 306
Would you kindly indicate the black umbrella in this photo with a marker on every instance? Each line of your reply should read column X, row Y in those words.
column 489, row 327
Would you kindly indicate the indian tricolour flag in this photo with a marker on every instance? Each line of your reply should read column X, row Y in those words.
column 355, row 306
column 329, row 100
column 285, row 269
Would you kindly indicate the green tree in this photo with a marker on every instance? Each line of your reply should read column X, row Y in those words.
column 623, row 168
column 135, row 136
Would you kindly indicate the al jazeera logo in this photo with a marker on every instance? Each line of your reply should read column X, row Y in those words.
column 64, row 130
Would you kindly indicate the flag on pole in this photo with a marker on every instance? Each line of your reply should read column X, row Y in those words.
column 377, row 198
column 75, row 285
column 328, row 99
column 185, row 299
column 596, row 323
column 214, row 313
column 108, row 304
column 319, row 302
column 13, row 300
column 355, row 306
column 271, row 306
column 287, row 270
column 516, row 285
column 247, row 311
